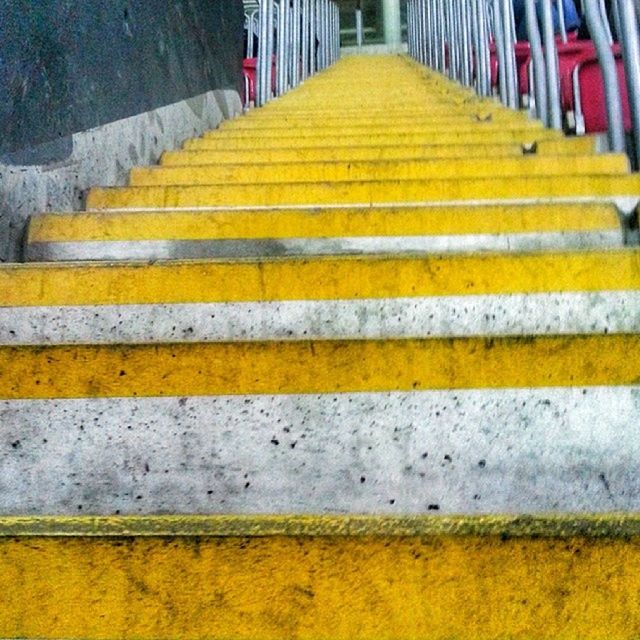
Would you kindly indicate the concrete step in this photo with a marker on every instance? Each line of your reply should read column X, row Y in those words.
column 223, row 577
column 372, row 297
column 479, row 116
column 487, row 190
column 522, row 135
column 324, row 222
column 156, row 235
column 561, row 147
column 342, row 154
column 198, row 387
column 399, row 130
column 234, row 427
column 524, row 166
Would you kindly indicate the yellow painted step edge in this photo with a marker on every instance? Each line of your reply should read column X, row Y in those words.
column 522, row 167
column 558, row 580
column 321, row 223
column 321, row 278
column 556, row 526
column 318, row 366
column 487, row 190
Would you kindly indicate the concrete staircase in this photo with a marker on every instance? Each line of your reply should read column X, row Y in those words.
column 377, row 295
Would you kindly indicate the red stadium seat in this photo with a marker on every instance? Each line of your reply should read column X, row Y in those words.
column 590, row 105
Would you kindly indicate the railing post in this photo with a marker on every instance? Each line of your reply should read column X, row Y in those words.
column 265, row 53
column 609, row 74
column 281, row 49
column 359, row 25
column 296, row 41
column 538, row 64
column 313, row 35
column 551, row 67
column 630, row 42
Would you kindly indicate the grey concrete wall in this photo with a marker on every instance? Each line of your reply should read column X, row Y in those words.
column 89, row 89
column 101, row 156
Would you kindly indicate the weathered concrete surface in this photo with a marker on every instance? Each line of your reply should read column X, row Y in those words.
column 463, row 451
column 101, row 156
column 438, row 316
column 397, row 245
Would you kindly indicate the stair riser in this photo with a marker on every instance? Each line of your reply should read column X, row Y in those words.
column 521, row 135
column 451, row 316
column 397, row 245
column 356, row 171
column 343, row 154
column 375, row 130
column 323, row 222
column 284, row 122
column 571, row 449
column 486, row 191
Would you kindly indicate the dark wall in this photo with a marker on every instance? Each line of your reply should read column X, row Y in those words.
column 70, row 65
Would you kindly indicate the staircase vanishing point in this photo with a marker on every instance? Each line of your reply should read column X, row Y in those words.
column 377, row 295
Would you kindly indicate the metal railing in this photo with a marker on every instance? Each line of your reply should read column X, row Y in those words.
column 296, row 39
column 474, row 42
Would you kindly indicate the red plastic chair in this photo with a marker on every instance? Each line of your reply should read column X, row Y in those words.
column 569, row 57
column 249, row 67
column 589, row 96
column 523, row 57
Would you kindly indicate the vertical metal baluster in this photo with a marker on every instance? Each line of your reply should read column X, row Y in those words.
column 510, row 55
column 359, row 24
column 322, row 50
column 630, row 41
column 312, row 36
column 422, row 31
column 551, row 66
column 617, row 27
column 451, row 39
column 418, row 31
column 537, row 62
column 326, row 32
column 265, row 52
column 498, row 25
column 332, row 32
column 442, row 30
column 281, row 49
column 483, row 44
column 466, row 47
column 336, row 32
column 562, row 22
column 336, row 9
column 439, row 27
column 247, row 27
column 304, row 40
column 474, row 28
column 480, row 47
column 319, row 34
column 410, row 44
column 428, row 31
column 607, row 62
column 327, row 35
column 295, row 43
column 288, row 14
column 605, row 20
column 455, row 38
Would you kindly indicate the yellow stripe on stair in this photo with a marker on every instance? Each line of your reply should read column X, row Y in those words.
column 310, row 578
column 325, row 366
column 321, row 223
